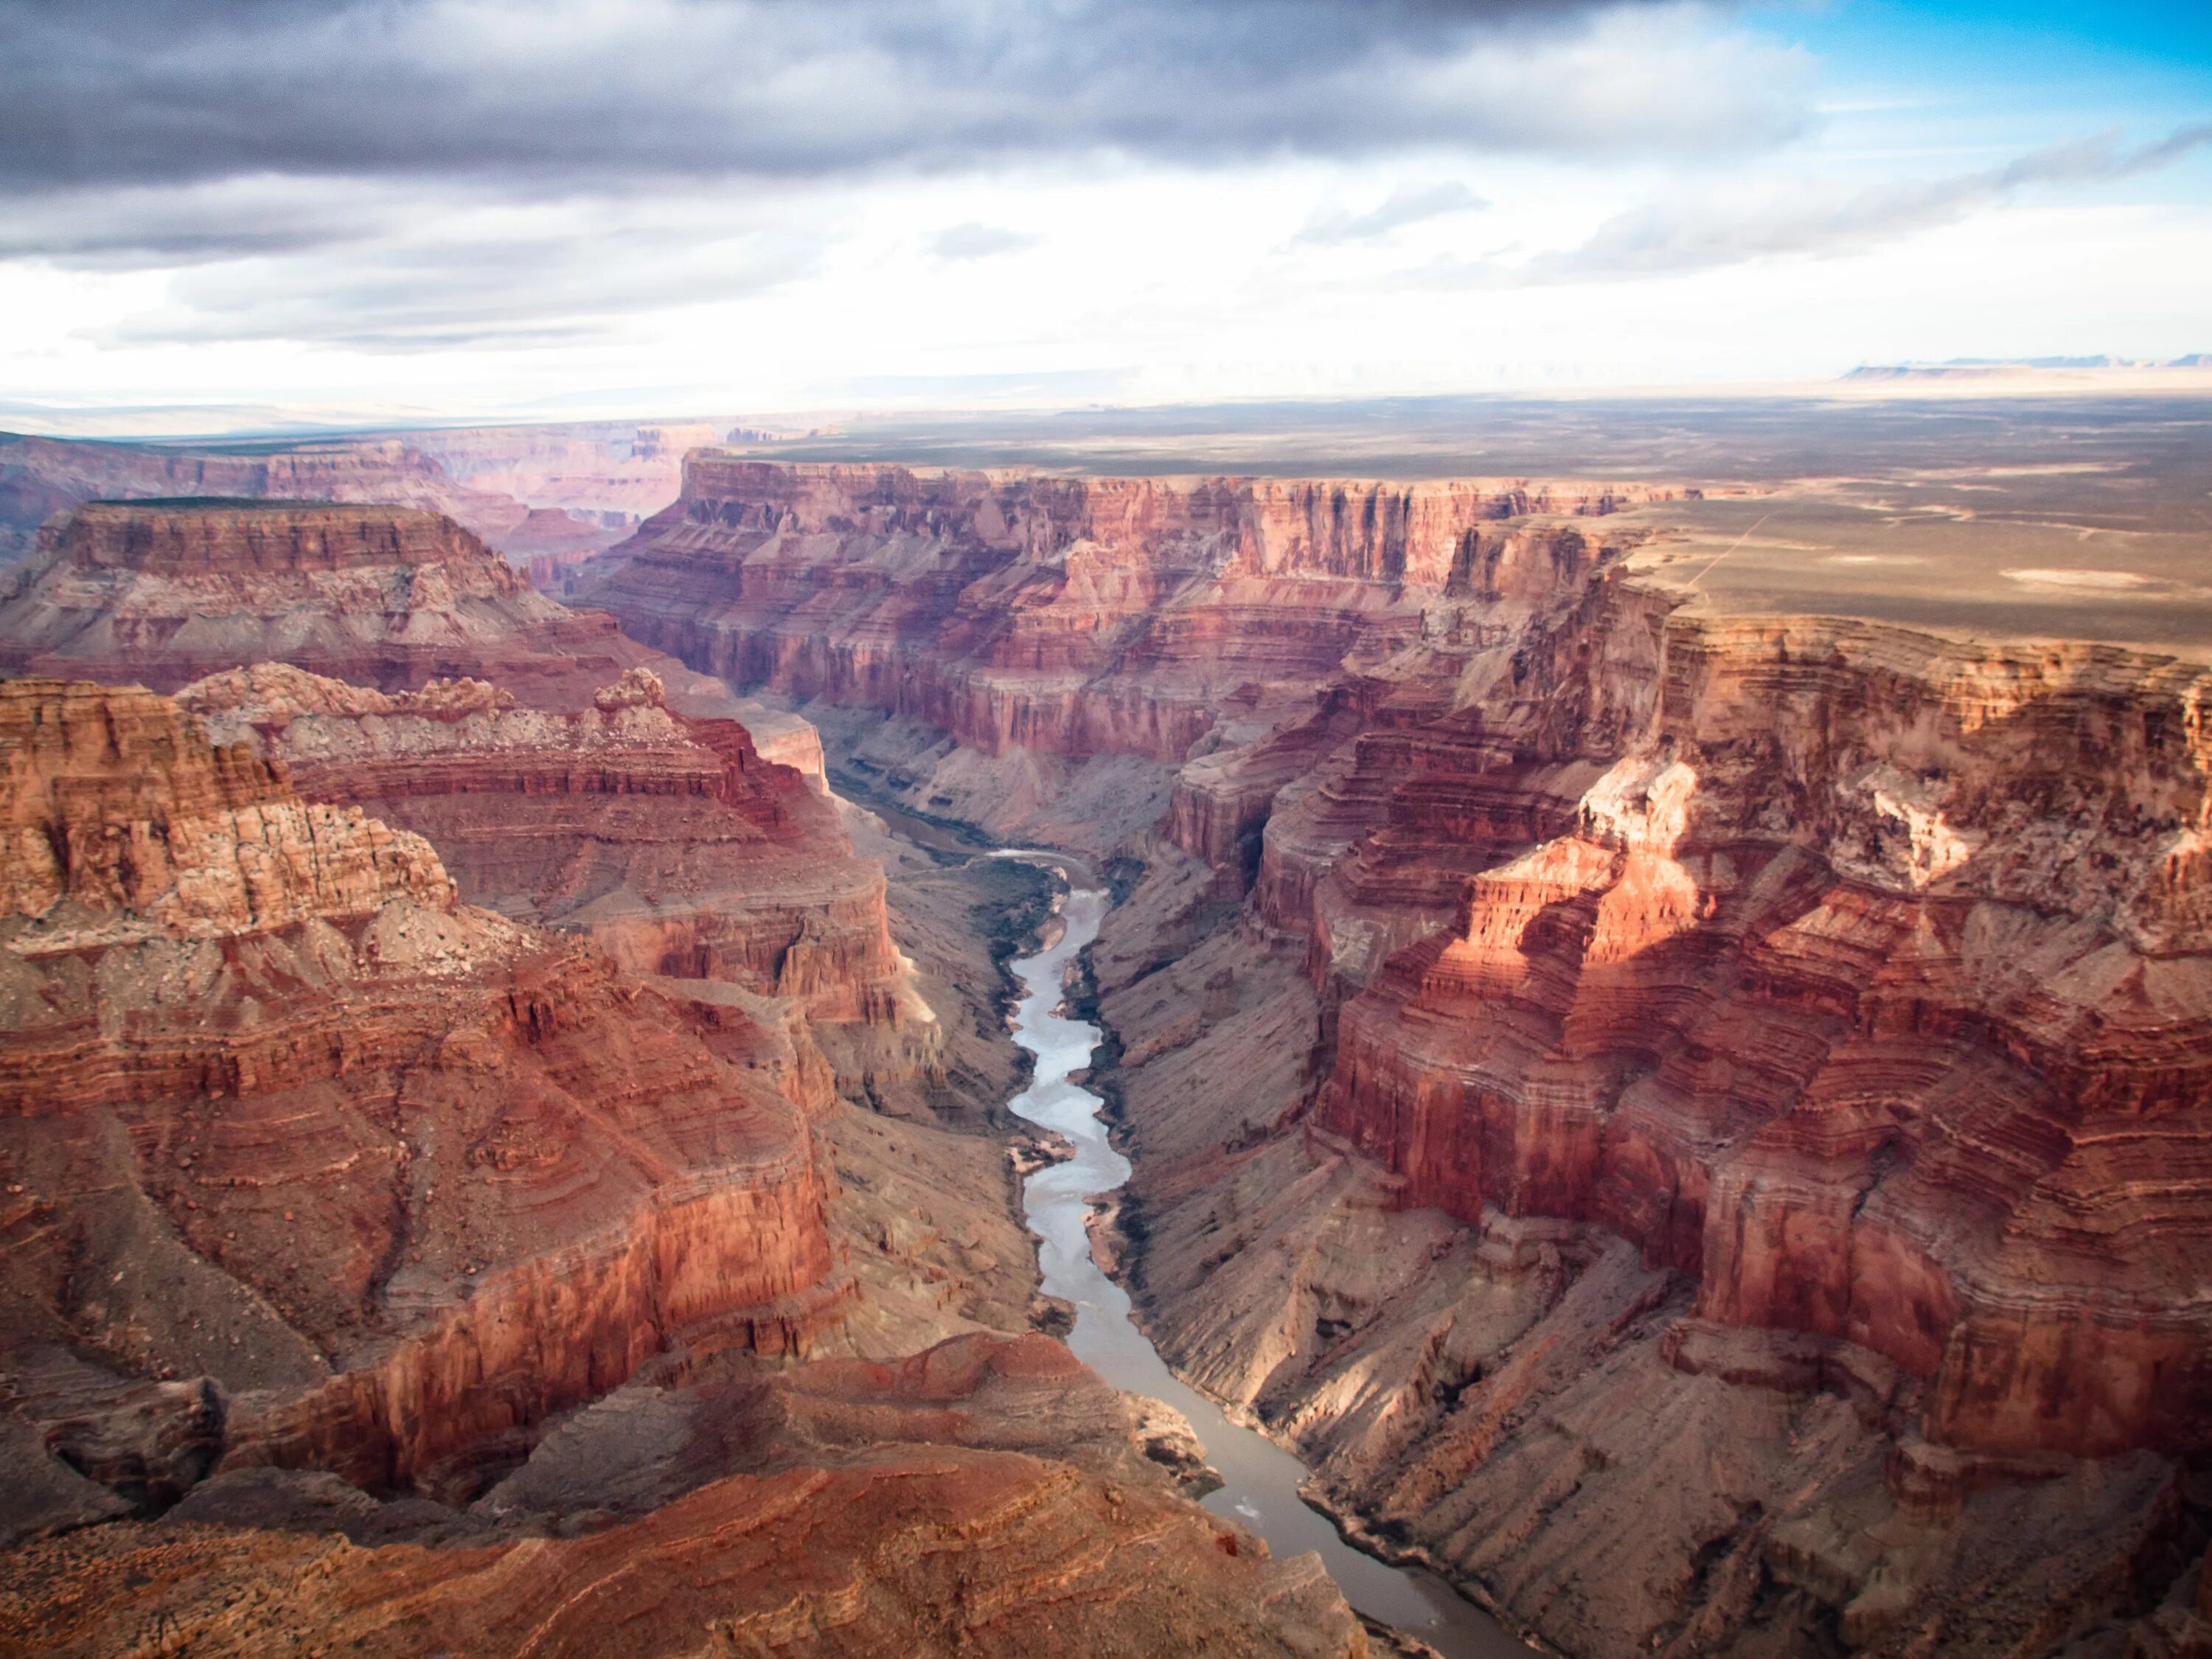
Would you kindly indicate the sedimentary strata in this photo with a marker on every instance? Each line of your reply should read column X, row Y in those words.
column 1697, row 1123
column 1064, row 622
column 348, row 1173
column 670, row 840
column 986, row 1497
column 162, row 593
column 509, row 506
column 1784, row 1045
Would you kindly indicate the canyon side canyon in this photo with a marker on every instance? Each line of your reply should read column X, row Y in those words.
column 1696, row 1125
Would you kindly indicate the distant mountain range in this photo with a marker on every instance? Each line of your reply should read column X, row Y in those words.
column 1952, row 367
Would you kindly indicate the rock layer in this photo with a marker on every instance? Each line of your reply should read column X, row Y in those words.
column 1067, row 616
column 398, row 1176
column 986, row 1497
column 1872, row 987
column 511, row 507
column 1787, row 1034
column 165, row 593
column 1754, row 1115
column 670, row 840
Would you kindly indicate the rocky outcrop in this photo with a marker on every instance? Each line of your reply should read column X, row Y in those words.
column 1873, row 988
column 988, row 1497
column 396, row 1176
column 671, row 841
column 1071, row 617
column 572, row 794
column 165, row 593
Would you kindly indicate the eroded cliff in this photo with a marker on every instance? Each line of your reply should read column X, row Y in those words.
column 1754, row 1117
column 164, row 592
column 986, row 1497
column 668, row 840
column 388, row 1176
column 1696, row 1124
column 1050, row 626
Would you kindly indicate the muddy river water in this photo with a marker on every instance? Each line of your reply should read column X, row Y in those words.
column 1261, row 1487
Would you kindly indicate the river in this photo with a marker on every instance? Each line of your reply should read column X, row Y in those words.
column 1261, row 1478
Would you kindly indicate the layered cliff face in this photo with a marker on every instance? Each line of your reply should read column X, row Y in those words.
column 1072, row 619
column 1872, row 987
column 163, row 593
column 388, row 1178
column 1719, row 1112
column 575, row 793
column 671, row 841
column 1696, row 1124
column 986, row 1497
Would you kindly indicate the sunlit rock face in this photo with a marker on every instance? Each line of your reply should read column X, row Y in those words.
column 1699, row 1126
column 393, row 1176
column 1870, row 988
column 1854, row 973
column 1698, row 1123
column 395, row 663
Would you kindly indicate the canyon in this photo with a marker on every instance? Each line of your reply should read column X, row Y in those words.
column 1689, row 1117
column 1692, row 1120
column 442, row 1068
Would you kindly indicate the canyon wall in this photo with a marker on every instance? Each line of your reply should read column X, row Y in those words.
column 1868, row 987
column 1549, row 1015
column 1748, row 1145
column 326, row 1194
column 670, row 840
column 164, row 593
column 989, row 1496
column 1065, row 616
column 395, row 1177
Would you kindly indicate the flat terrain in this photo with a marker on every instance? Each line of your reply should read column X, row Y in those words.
column 2072, row 516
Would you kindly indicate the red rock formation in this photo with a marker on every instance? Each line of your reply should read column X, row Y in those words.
column 673, row 842
column 1871, row 987
column 165, row 593
column 985, row 1498
column 400, row 1176
column 1069, row 616
column 1693, row 1012
column 670, row 840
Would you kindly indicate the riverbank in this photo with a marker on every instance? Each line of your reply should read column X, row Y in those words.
column 1261, row 1479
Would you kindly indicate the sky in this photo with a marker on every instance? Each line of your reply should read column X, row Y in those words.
column 277, row 210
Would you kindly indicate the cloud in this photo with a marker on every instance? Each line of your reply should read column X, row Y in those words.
column 489, row 278
column 1404, row 206
column 408, row 174
column 972, row 241
column 1808, row 220
column 141, row 225
column 108, row 94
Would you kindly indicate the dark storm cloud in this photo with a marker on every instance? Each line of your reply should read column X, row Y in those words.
column 118, row 93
